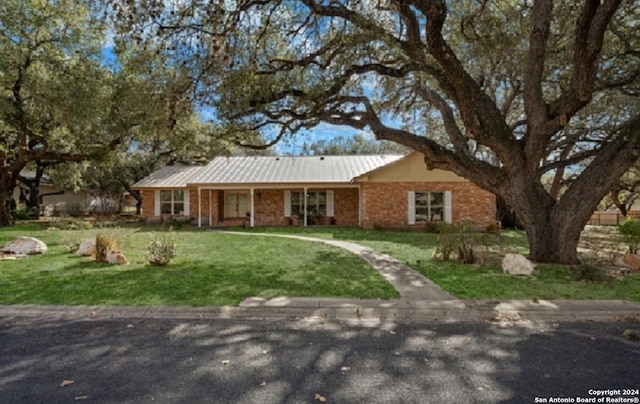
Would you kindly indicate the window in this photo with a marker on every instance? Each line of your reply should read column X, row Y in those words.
column 172, row 202
column 316, row 203
column 429, row 207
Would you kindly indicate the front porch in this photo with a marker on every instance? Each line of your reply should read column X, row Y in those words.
column 259, row 206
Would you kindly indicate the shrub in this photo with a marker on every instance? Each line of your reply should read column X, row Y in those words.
column 106, row 243
column 22, row 212
column 161, row 251
column 630, row 233
column 461, row 239
column 70, row 240
column 588, row 272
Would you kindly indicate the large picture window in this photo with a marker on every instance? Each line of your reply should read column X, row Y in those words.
column 172, row 202
column 429, row 207
column 316, row 203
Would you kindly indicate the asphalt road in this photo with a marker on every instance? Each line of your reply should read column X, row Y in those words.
column 303, row 361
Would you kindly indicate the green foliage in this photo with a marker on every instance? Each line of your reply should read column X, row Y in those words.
column 161, row 251
column 106, row 242
column 589, row 273
column 23, row 212
column 630, row 233
column 461, row 239
column 70, row 240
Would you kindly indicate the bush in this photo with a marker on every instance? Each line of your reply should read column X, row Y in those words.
column 22, row 212
column 630, row 233
column 70, row 240
column 161, row 251
column 106, row 243
column 460, row 239
column 588, row 272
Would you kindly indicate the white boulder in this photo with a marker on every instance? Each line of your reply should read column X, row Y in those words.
column 516, row 264
column 26, row 246
column 87, row 248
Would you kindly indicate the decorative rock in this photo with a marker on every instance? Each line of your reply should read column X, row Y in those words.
column 516, row 264
column 25, row 245
column 631, row 260
column 117, row 258
column 87, row 248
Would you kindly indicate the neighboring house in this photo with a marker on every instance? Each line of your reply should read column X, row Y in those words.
column 54, row 201
column 387, row 191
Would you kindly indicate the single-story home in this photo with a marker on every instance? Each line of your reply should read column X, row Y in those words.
column 384, row 191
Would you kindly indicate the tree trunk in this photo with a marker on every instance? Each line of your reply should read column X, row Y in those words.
column 6, row 206
column 553, row 227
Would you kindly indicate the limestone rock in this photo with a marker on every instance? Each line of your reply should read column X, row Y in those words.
column 117, row 258
column 631, row 260
column 516, row 264
column 25, row 245
column 87, row 248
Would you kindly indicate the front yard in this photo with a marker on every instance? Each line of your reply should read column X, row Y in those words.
column 209, row 269
column 223, row 269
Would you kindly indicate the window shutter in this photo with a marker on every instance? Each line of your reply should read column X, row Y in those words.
column 287, row 203
column 448, row 216
column 156, row 206
column 330, row 212
column 411, row 207
column 187, row 211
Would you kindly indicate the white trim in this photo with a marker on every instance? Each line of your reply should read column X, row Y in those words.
column 210, row 208
column 448, row 207
column 287, row 203
column 251, row 209
column 411, row 207
column 199, row 207
column 187, row 207
column 330, row 209
column 157, row 203
column 305, row 206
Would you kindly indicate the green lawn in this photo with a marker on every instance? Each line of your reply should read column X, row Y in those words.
column 476, row 282
column 210, row 269
column 222, row 269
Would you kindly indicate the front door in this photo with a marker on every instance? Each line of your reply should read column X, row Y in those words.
column 236, row 204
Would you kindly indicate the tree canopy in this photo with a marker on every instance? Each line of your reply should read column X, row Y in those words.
column 502, row 93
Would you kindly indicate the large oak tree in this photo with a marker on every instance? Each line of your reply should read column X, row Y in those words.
column 504, row 93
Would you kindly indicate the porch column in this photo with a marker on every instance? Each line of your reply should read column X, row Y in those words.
column 304, row 222
column 210, row 208
column 251, row 213
column 199, row 207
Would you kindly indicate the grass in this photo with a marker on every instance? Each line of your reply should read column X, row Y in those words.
column 221, row 269
column 479, row 282
column 209, row 269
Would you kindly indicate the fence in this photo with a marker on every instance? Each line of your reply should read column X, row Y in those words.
column 611, row 217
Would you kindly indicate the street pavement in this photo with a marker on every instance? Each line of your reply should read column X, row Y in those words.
column 97, row 359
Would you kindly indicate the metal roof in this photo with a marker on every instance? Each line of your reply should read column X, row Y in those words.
column 288, row 170
column 268, row 170
column 169, row 177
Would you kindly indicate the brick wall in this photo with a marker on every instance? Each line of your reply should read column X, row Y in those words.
column 385, row 204
column 345, row 206
column 148, row 203
column 268, row 205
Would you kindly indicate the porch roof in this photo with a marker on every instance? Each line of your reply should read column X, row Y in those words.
column 288, row 170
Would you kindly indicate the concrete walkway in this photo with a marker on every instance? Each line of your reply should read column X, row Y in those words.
column 421, row 301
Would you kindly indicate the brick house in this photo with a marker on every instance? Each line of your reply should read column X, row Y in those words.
column 388, row 191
